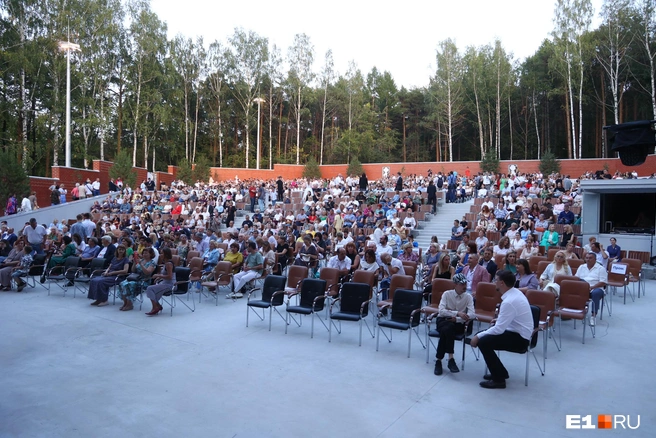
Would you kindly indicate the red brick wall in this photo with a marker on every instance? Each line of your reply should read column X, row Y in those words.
column 574, row 168
column 42, row 188
column 71, row 175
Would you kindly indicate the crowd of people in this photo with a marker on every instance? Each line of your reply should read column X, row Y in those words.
column 348, row 224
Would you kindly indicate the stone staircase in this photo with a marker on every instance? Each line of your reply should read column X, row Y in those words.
column 440, row 224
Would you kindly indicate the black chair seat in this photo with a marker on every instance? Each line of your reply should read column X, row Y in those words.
column 395, row 325
column 259, row 304
column 300, row 309
column 56, row 277
column 344, row 316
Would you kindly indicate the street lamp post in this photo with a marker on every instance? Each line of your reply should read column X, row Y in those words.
column 68, row 46
column 259, row 102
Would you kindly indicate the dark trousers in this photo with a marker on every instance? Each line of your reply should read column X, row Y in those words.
column 253, row 205
column 432, row 201
column 507, row 341
column 448, row 330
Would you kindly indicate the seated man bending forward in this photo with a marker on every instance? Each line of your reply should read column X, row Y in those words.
column 455, row 310
column 511, row 331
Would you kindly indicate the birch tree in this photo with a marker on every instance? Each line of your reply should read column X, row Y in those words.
column 217, row 67
column 448, row 82
column 300, row 58
column 248, row 55
column 327, row 75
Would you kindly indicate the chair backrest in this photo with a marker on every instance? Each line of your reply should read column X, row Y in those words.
column 409, row 263
column 535, row 311
column 400, row 282
column 574, row 264
column 331, row 275
column 558, row 279
column 545, row 300
column 223, row 247
column 272, row 284
column 405, row 302
column 617, row 277
column 551, row 253
column 71, row 262
column 96, row 264
column 182, row 277
column 487, row 297
column 222, row 272
column 438, row 287
column 310, row 289
column 192, row 254
column 635, row 266
column 574, row 294
column 500, row 260
column 534, row 261
column 362, row 276
column 176, row 260
column 295, row 275
column 196, row 267
column 410, row 270
column 643, row 256
column 542, row 266
column 353, row 295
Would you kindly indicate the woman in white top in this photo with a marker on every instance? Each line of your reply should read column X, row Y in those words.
column 269, row 257
column 481, row 240
column 559, row 266
column 530, row 250
column 517, row 244
column 368, row 262
column 502, row 247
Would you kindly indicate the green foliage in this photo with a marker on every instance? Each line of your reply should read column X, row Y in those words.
column 549, row 164
column 122, row 168
column 354, row 167
column 13, row 179
column 184, row 172
column 490, row 162
column 201, row 170
column 312, row 169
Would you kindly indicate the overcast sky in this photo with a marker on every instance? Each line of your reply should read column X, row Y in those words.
column 400, row 37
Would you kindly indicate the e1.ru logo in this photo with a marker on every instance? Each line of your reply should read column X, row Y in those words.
column 604, row 421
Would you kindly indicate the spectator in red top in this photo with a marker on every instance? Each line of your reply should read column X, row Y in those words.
column 252, row 192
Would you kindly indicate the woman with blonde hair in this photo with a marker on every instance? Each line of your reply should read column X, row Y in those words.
column 559, row 266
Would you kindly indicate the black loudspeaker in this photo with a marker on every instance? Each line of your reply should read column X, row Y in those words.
column 633, row 141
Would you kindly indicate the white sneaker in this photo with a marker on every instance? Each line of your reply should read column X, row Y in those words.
column 238, row 295
column 591, row 321
column 230, row 295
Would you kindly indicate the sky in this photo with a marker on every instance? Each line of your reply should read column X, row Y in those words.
column 399, row 37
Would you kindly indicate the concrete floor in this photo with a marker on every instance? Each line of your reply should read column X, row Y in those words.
column 71, row 370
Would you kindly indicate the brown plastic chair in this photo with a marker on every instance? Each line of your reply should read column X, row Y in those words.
column 635, row 273
column 541, row 268
column 196, row 266
column 547, row 303
column 362, row 276
column 574, row 264
column 438, row 287
column 295, row 276
column 176, row 260
column 221, row 276
column 534, row 261
column 410, row 270
column 500, row 260
column 574, row 303
column 551, row 253
column 398, row 282
column 619, row 280
column 331, row 275
column 487, row 299
column 191, row 255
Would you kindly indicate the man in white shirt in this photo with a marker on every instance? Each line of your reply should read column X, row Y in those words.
column 340, row 262
column 512, row 330
column 455, row 311
column 383, row 247
column 36, row 235
column 487, row 201
column 391, row 266
column 597, row 277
